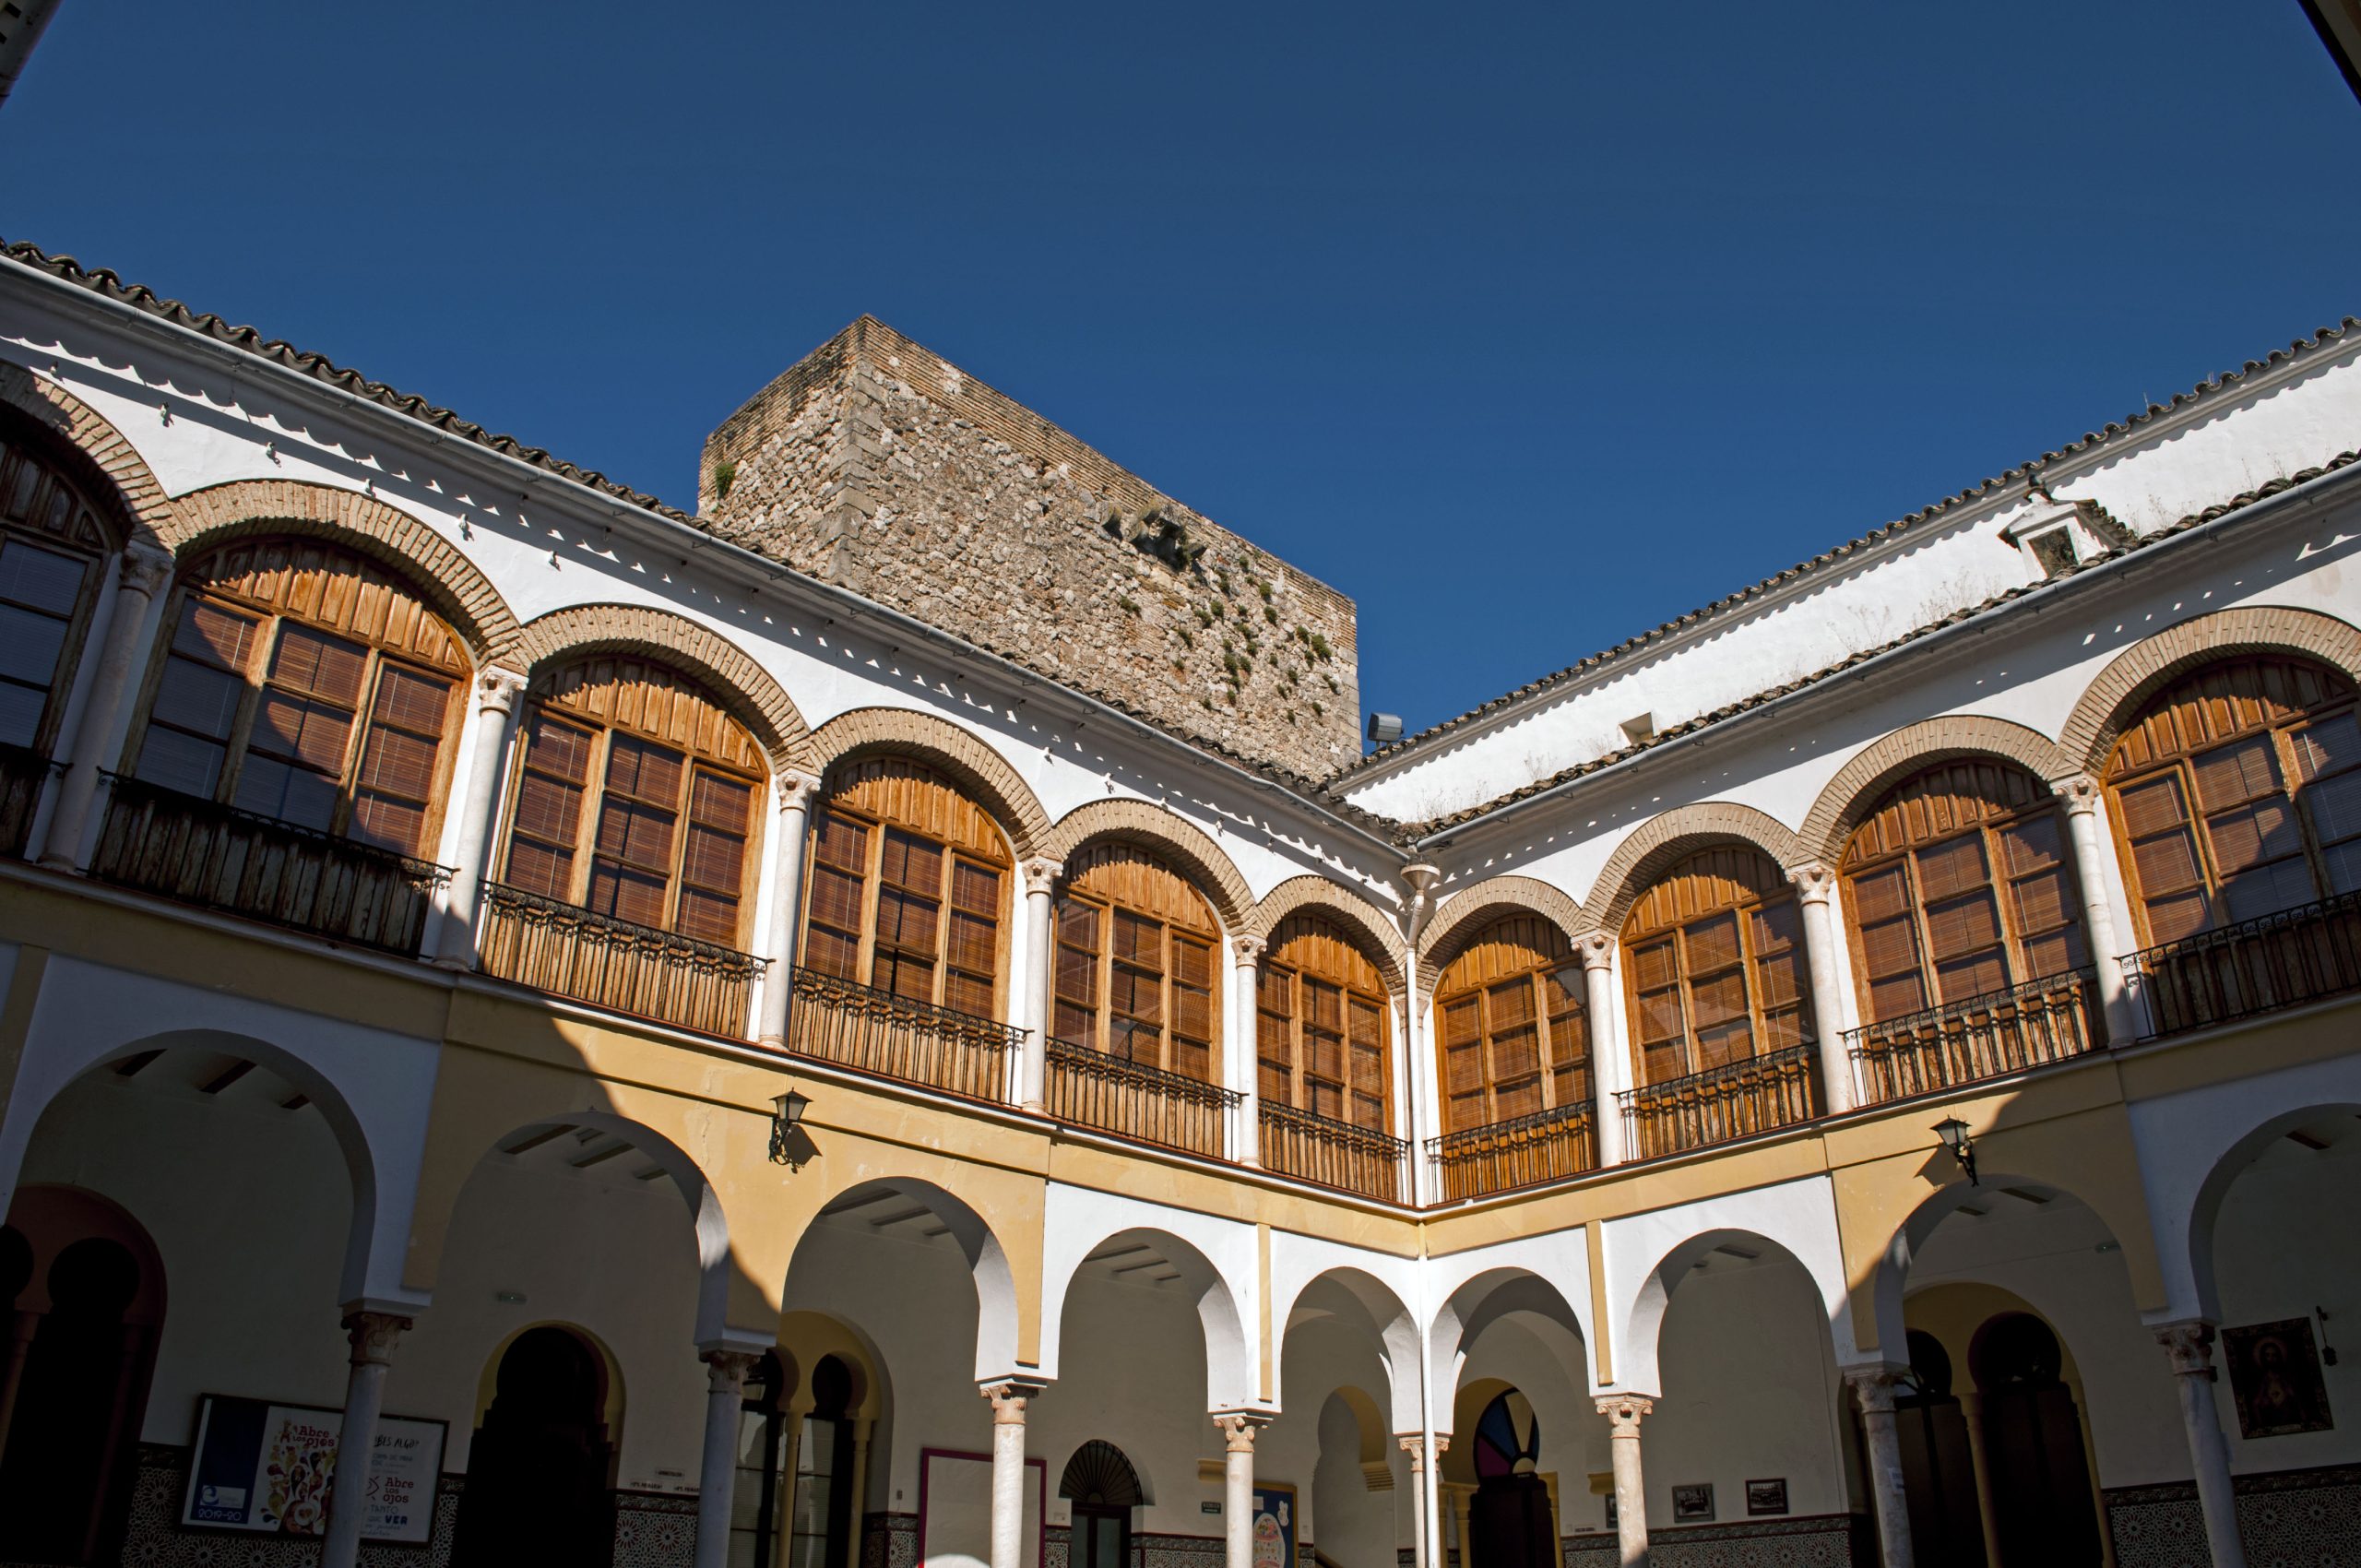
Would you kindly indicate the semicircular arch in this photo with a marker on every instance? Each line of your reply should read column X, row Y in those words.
column 1001, row 1323
column 1850, row 797
column 1231, row 1361
column 741, row 686
column 1466, row 915
column 1317, row 894
column 2117, row 692
column 869, row 732
column 1169, row 834
column 1652, row 848
column 112, row 467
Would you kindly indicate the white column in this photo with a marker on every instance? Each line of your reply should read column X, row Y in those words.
column 1237, row 1485
column 1980, row 1460
column 1245, row 1056
column 1873, row 1389
column 495, row 705
column 138, row 578
column 725, row 1401
column 796, row 791
column 1623, row 1413
column 372, row 1335
column 2190, row 1346
column 1814, row 886
column 1041, row 962
column 1598, row 949
column 1416, row 1447
column 1008, row 1396
column 2081, row 795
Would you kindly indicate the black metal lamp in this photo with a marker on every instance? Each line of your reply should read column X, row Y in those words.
column 786, row 1116
column 1955, row 1137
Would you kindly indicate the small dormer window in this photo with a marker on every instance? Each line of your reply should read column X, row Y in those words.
column 2053, row 552
column 2057, row 535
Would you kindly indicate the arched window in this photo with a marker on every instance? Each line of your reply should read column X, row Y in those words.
column 635, row 797
column 2237, row 794
column 541, row 1462
column 1959, row 885
column 52, row 544
column 1713, row 963
column 906, row 888
column 1510, row 1021
column 824, row 1513
column 303, row 685
column 1322, row 1026
column 758, row 1504
column 1135, row 972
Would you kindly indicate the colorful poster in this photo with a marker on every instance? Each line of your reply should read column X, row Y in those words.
column 270, row 1468
column 1273, row 1527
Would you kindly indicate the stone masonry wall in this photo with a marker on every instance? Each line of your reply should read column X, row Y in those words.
column 874, row 464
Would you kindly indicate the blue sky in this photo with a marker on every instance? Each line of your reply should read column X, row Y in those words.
column 1529, row 327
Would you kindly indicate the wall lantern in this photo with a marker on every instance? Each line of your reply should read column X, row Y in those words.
column 1954, row 1134
column 787, row 1117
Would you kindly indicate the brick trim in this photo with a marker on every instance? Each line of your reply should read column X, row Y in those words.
column 114, row 470
column 1466, row 915
column 1860, row 783
column 1298, row 894
column 2116, row 697
column 743, row 686
column 206, row 519
column 961, row 753
column 1168, row 834
column 1661, row 840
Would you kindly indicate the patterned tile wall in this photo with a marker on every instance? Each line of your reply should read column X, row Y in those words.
column 2287, row 1519
column 1826, row 1540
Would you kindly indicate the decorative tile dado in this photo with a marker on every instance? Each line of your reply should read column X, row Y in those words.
column 2287, row 1519
column 153, row 1537
column 889, row 1540
column 1177, row 1552
column 655, row 1530
column 1822, row 1540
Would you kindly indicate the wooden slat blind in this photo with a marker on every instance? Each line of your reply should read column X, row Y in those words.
column 52, row 544
column 1713, row 965
column 1513, row 1036
column 1323, row 1025
column 1135, row 972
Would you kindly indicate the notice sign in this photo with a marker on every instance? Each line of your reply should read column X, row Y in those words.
column 270, row 1468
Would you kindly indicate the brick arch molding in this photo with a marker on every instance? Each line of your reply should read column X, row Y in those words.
column 1661, row 840
column 459, row 593
column 1860, row 783
column 743, row 686
column 140, row 505
column 1168, row 834
column 1469, row 913
column 1317, row 894
column 2136, row 673
column 960, row 753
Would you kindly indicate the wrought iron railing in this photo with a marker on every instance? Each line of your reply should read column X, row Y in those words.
column 202, row 853
column 1982, row 1037
column 1544, row 1146
column 1133, row 1100
column 1333, row 1154
column 875, row 1032
column 2307, row 953
column 556, row 946
column 22, row 771
column 1721, row 1103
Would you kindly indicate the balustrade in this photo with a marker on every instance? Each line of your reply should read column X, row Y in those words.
column 1333, row 1154
column 1982, row 1037
column 1545, row 1146
column 1738, row 1098
column 22, row 772
column 2307, row 953
column 565, row 948
column 875, row 1032
column 1133, row 1100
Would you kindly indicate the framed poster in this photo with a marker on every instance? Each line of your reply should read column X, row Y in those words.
column 1273, row 1527
column 268, row 1468
column 2275, row 1378
column 1767, row 1497
column 1693, row 1504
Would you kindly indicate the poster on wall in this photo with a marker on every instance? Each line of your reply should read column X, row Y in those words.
column 269, row 1469
column 2275, row 1378
column 1273, row 1531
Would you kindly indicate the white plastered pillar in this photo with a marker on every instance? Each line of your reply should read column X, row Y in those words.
column 796, row 791
column 490, row 726
column 1245, row 970
column 374, row 1335
column 2081, row 795
column 1031, row 1087
column 1873, row 1391
column 1608, row 1063
column 2190, row 1347
column 1008, row 1396
column 140, row 576
column 1623, row 1413
column 1815, row 888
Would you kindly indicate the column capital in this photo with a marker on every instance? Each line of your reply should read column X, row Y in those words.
column 796, row 789
column 144, row 571
column 1008, row 1395
column 1240, row 1428
column 1245, row 950
column 1814, row 881
column 2190, row 1347
column 374, row 1335
column 1598, row 949
column 1041, row 873
column 496, row 689
column 1623, row 1413
column 2078, row 792
column 1873, row 1386
column 726, row 1370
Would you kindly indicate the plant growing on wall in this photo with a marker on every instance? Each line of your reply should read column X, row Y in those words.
column 725, row 474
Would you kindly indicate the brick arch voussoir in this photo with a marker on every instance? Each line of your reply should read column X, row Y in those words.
column 141, row 511
column 2119, row 690
column 1317, row 894
column 870, row 731
column 1170, row 835
column 1860, row 783
column 1469, row 914
column 1648, row 851
column 744, row 687
column 454, row 585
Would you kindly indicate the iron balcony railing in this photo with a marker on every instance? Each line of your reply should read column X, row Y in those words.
column 556, row 946
column 22, row 772
column 199, row 851
column 2307, row 953
column 1733, row 1101
column 1133, row 1100
column 1982, row 1037
column 1543, row 1145
column 894, row 1037
column 1333, row 1154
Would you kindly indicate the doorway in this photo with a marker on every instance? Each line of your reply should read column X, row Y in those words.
column 1104, row 1489
column 538, row 1471
column 2033, row 1444
column 1937, row 1468
column 1511, row 1523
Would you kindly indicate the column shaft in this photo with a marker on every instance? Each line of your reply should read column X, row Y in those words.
column 1971, row 1408
column 1814, row 884
column 1414, row 1447
column 1623, row 1414
column 374, row 1335
column 1008, row 1399
column 137, row 580
column 12, row 1377
column 1873, row 1387
column 1245, row 970
column 495, row 704
column 1031, row 1085
column 718, row 1468
column 1605, row 1051
column 1238, row 1490
column 795, row 793
column 2081, row 795
column 2190, row 1347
